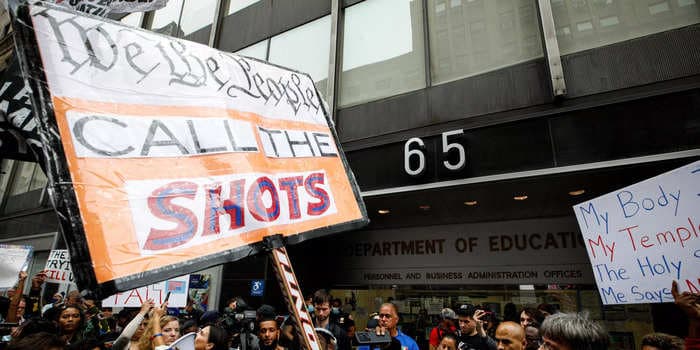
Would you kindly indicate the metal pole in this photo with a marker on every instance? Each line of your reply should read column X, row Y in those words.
column 551, row 48
column 292, row 292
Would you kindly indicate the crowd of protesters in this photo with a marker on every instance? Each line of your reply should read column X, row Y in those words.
column 77, row 321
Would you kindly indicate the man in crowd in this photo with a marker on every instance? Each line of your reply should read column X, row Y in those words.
column 471, row 334
column 573, row 331
column 269, row 334
column 510, row 336
column 388, row 322
column 322, row 311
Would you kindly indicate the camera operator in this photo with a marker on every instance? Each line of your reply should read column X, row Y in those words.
column 239, row 325
column 471, row 334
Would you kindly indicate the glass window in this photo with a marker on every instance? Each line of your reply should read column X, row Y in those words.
column 237, row 5
column 306, row 49
column 39, row 179
column 181, row 19
column 5, row 173
column 258, row 50
column 582, row 25
column 22, row 179
column 472, row 37
column 166, row 20
column 133, row 19
column 196, row 16
column 382, row 50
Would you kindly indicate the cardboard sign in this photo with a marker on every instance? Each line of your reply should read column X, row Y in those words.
column 134, row 298
column 13, row 259
column 57, row 268
column 169, row 157
column 642, row 237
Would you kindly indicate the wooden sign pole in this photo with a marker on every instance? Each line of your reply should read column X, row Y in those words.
column 292, row 292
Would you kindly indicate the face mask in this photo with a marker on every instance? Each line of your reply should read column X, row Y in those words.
column 310, row 308
column 335, row 310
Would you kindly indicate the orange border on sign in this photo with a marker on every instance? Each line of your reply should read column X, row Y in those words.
column 104, row 205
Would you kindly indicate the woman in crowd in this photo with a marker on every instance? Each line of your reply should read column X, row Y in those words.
column 70, row 321
column 448, row 342
column 129, row 338
column 162, row 329
column 211, row 338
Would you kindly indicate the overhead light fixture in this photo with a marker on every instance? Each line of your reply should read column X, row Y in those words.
column 383, row 211
column 520, row 198
column 470, row 203
column 424, row 207
column 577, row 192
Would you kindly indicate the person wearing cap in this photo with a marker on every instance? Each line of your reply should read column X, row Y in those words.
column 471, row 333
column 446, row 326
column 326, row 339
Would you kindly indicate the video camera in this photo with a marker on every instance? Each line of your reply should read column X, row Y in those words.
column 373, row 341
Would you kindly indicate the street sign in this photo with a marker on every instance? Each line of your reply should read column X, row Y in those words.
column 257, row 288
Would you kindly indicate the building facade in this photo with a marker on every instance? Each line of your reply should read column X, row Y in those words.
column 472, row 127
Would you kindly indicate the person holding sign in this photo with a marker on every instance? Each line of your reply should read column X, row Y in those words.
column 690, row 304
column 129, row 338
column 162, row 330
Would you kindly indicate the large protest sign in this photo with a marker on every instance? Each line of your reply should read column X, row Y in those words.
column 58, row 268
column 13, row 259
column 642, row 237
column 177, row 287
column 105, row 7
column 166, row 157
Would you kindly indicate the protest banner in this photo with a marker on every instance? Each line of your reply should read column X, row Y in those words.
column 105, row 7
column 157, row 292
column 13, row 259
column 642, row 237
column 167, row 157
column 57, row 268
column 18, row 135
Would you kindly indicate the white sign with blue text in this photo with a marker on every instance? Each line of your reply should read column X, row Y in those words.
column 642, row 237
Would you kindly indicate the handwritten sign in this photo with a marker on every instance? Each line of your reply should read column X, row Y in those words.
column 13, row 259
column 157, row 292
column 642, row 237
column 58, row 268
column 170, row 156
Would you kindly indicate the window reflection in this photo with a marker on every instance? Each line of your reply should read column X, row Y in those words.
column 258, row 50
column 472, row 37
column 197, row 17
column 382, row 50
column 306, row 49
column 585, row 24
column 166, row 20
column 237, row 5
column 133, row 19
column 186, row 19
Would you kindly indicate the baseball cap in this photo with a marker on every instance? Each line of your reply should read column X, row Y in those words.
column 448, row 314
column 466, row 310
